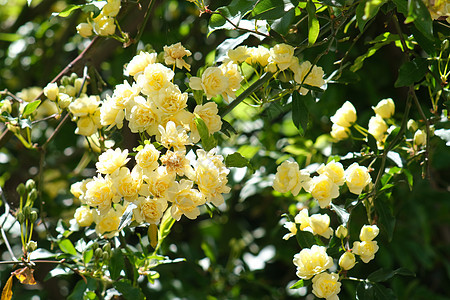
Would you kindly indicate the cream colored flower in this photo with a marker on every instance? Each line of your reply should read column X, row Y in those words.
column 302, row 218
column 334, row 171
column 292, row 227
column 108, row 222
column 64, row 101
column 159, row 181
column 78, row 189
column 209, row 113
column 342, row 232
column 5, row 106
column 156, row 78
column 347, row 260
column 127, row 184
column 147, row 157
column 339, row 132
column 111, row 9
column 312, row 261
column 104, row 25
column 88, row 125
column 144, row 116
column 124, row 95
column 84, row 216
column 139, row 62
column 314, row 78
column 258, row 55
column 282, row 55
column 213, row 82
column 289, row 178
column 185, row 200
column 366, row 250
column 177, row 163
column 323, row 189
column 173, row 136
column 320, row 224
column 420, row 138
column 99, row 193
column 111, row 160
column 85, row 30
column 149, row 210
column 345, row 116
column 368, row 232
column 51, row 91
column 238, row 55
column 385, row 108
column 170, row 100
column 231, row 71
column 326, row 285
column 110, row 114
column 173, row 55
column 357, row 177
column 84, row 106
column 377, row 127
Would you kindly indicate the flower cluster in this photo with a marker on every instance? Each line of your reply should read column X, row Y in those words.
column 104, row 23
column 325, row 186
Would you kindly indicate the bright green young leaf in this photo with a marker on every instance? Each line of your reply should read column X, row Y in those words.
column 297, row 285
column 300, row 114
column 371, row 8
column 66, row 246
column 313, row 23
column 419, row 14
column 411, row 72
column 208, row 141
column 273, row 9
column 236, row 160
column 30, row 108
column 87, row 256
column 67, row 11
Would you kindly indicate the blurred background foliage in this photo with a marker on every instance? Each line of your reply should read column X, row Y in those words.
column 238, row 253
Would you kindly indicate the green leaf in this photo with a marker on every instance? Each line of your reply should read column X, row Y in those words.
column 236, row 160
column 300, row 113
column 87, row 256
column 297, row 285
column 66, row 246
column 10, row 37
column 419, row 14
column 128, row 291
column 365, row 291
column 273, row 9
column 371, row 8
column 336, row 3
column 313, row 23
column 358, row 218
column 166, row 224
column 116, row 264
column 283, row 24
column 383, row 293
column 208, row 141
column 67, row 11
column 382, row 275
column 235, row 11
column 411, row 72
column 409, row 178
column 30, row 108
column 386, row 218
column 305, row 238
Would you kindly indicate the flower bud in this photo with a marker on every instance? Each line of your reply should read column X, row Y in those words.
column 30, row 184
column 105, row 255
column 98, row 253
column 368, row 232
column 345, row 116
column 341, row 232
column 33, row 216
column 94, row 246
column 21, row 190
column 73, row 77
column 347, row 260
column 419, row 138
column 385, row 108
column 65, row 81
column 445, row 45
column 51, row 91
column 32, row 195
column 20, row 217
column 27, row 212
column 107, row 247
column 412, row 125
column 31, row 246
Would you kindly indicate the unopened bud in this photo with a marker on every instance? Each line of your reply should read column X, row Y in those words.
column 20, row 217
column 107, row 247
column 73, row 76
column 95, row 246
column 65, row 80
column 33, row 216
column 98, row 253
column 33, row 195
column 27, row 212
column 105, row 255
column 30, row 184
column 412, row 125
column 445, row 45
column 21, row 189
column 347, row 261
column 31, row 246
column 341, row 232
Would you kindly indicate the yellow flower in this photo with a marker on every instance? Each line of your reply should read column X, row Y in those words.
column 368, row 232
column 127, row 184
column 341, row 232
column 84, row 106
column 83, row 216
column 258, row 55
column 334, row 171
column 213, row 82
column 345, row 116
column 88, row 125
column 111, row 9
column 111, row 160
column 108, row 222
column 159, row 181
column 185, row 200
column 357, row 177
column 99, row 193
column 177, row 163
column 282, row 55
column 171, row 100
column 144, row 116
column 316, row 224
column 292, row 227
column 149, row 210
column 326, row 285
column 110, row 114
column 339, row 132
column 85, row 30
column 347, row 260
column 209, row 113
column 51, row 91
column 377, row 127
column 173, row 55
column 238, row 55
column 420, row 138
column 156, row 78
column 366, row 250
column 289, row 178
column 139, row 62
column 323, row 189
column 385, row 108
column 104, row 25
column 147, row 157
column 312, row 261
column 173, row 136
column 231, row 71
column 314, row 78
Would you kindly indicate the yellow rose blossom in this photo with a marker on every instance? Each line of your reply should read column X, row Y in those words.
column 347, row 260
column 51, row 91
column 323, row 189
column 144, row 116
column 78, row 189
column 326, row 285
column 185, row 200
column 173, row 55
column 377, row 128
column 83, row 216
column 110, row 114
column 292, row 227
column 282, row 55
column 368, row 232
column 258, row 55
column 334, row 171
column 238, row 55
column 385, row 108
column 84, row 106
column 159, row 181
column 155, row 78
column 99, row 193
column 289, row 178
column 104, row 25
column 231, row 71
column 177, row 163
column 173, row 136
column 108, row 222
column 209, row 113
column 127, row 184
column 313, row 77
column 139, row 62
column 357, row 177
column 149, row 210
column 85, row 30
column 124, row 95
column 213, row 82
column 316, row 224
column 111, row 160
column 111, row 8
column 345, row 116
column 88, row 125
column 147, row 157
column 366, row 250
column 339, row 132
column 312, row 261
column 302, row 218
column 170, row 100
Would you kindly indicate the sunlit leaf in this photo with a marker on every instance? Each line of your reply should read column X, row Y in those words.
column 313, row 23
column 7, row 289
column 66, row 246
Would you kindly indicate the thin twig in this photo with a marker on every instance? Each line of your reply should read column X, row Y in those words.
column 5, row 215
column 142, row 28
